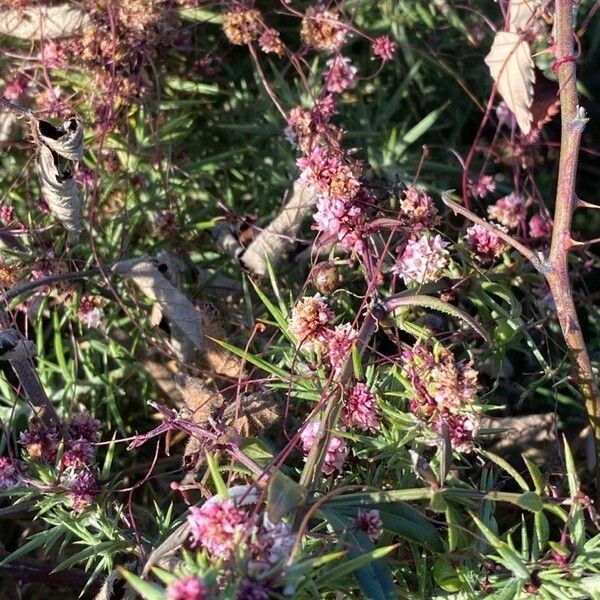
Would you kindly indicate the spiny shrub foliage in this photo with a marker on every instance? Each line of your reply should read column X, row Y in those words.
column 289, row 299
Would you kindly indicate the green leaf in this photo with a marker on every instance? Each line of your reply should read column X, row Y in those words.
column 444, row 574
column 506, row 466
column 255, row 360
column 147, row 590
column 284, row 495
column 213, row 467
column 374, row 577
column 530, row 501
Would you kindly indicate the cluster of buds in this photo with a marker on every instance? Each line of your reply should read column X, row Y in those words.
column 422, row 260
column 336, row 451
column 310, row 323
column 246, row 25
column 41, row 444
column 417, row 210
column 444, row 392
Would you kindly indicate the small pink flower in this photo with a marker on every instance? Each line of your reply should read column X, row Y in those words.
column 369, row 522
column 328, row 175
column 79, row 453
column 462, row 429
column 343, row 222
column 9, row 477
column 270, row 42
column 360, row 409
column 309, row 322
column 483, row 186
column 82, row 487
column 189, row 588
column 83, row 425
column 15, row 87
column 422, row 261
column 509, row 211
column 417, row 210
column 339, row 343
column 336, row 452
column 52, row 54
column 484, row 243
column 384, row 47
column 89, row 314
column 340, row 75
column 86, row 177
column 540, row 227
column 219, row 526
column 7, row 213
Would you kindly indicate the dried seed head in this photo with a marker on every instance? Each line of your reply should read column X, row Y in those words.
column 321, row 29
column 242, row 26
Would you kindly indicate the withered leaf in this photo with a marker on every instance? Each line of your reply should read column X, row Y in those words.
column 521, row 14
column 222, row 362
column 173, row 302
column 59, row 189
column 66, row 140
column 511, row 67
column 256, row 413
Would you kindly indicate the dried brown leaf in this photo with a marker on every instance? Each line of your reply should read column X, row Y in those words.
column 256, row 413
column 221, row 361
column 511, row 67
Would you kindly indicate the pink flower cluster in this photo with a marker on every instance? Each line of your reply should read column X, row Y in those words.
column 360, row 409
column 508, row 211
column 369, row 522
column 484, row 243
column 540, row 227
column 340, row 75
column 89, row 313
column 444, row 392
column 417, row 210
column 309, row 323
column 483, row 186
column 422, row 260
column 188, row 588
column 219, row 525
column 9, row 477
column 384, row 47
column 82, row 487
column 336, row 452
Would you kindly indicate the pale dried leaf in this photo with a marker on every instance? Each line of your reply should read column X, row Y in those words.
column 66, row 140
column 59, row 189
column 521, row 13
column 174, row 304
column 511, row 67
column 278, row 237
column 50, row 22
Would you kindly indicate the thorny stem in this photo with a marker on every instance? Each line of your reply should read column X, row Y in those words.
column 573, row 121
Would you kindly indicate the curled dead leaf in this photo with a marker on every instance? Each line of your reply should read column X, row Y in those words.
column 59, row 189
column 66, row 140
column 511, row 67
